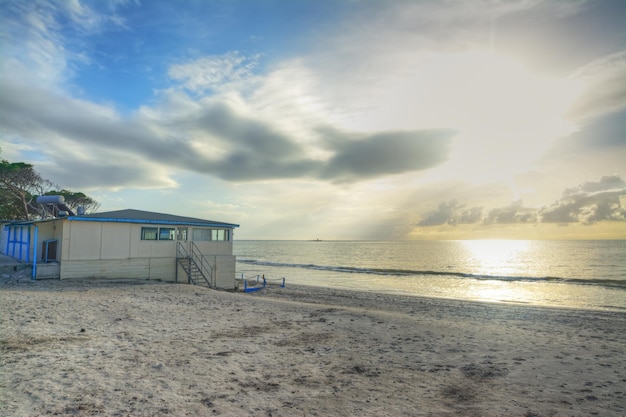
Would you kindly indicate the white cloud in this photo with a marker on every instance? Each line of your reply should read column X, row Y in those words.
column 604, row 82
column 39, row 55
column 215, row 72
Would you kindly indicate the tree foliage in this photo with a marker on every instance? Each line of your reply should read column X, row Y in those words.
column 20, row 185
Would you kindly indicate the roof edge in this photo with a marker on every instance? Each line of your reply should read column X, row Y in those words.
column 145, row 221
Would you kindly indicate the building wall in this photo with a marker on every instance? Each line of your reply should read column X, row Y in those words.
column 48, row 231
column 106, row 268
column 225, row 275
column 115, row 250
column 116, row 241
column 85, row 241
column 215, row 248
column 163, row 269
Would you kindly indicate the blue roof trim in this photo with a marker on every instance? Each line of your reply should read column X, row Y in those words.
column 143, row 221
column 29, row 222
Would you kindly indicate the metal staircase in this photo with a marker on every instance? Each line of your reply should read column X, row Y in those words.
column 195, row 265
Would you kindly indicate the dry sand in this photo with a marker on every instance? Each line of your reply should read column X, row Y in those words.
column 145, row 349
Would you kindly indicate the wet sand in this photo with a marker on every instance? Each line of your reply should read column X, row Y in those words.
column 143, row 348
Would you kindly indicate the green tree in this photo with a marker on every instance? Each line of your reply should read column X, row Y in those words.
column 9, row 206
column 20, row 185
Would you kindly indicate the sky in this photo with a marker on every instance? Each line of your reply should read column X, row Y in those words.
column 328, row 119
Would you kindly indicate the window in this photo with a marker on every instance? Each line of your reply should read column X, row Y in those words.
column 158, row 233
column 149, row 233
column 181, row 233
column 49, row 253
column 166, row 233
column 209, row 234
column 201, row 234
column 220, row 234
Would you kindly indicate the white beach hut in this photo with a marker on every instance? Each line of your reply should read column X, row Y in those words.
column 125, row 244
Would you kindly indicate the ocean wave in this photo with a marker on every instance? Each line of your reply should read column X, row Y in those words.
column 611, row 283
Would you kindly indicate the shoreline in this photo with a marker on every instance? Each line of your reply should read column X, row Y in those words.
column 131, row 347
column 294, row 289
column 569, row 295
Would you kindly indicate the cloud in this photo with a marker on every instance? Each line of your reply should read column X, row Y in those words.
column 109, row 171
column 40, row 53
column 245, row 133
column 606, row 183
column 605, row 87
column 452, row 212
column 212, row 72
column 216, row 133
column 587, row 203
column 358, row 156
column 212, row 138
column 45, row 116
column 250, row 149
column 44, row 41
column 234, row 146
column 515, row 213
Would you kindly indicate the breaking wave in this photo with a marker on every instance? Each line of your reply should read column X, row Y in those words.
column 611, row 283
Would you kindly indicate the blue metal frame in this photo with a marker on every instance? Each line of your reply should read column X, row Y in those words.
column 8, row 230
column 258, row 278
column 17, row 243
column 35, row 253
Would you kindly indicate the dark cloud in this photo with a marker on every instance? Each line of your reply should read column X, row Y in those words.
column 515, row 213
column 81, row 175
column 452, row 212
column 256, row 150
column 587, row 203
column 470, row 216
column 367, row 156
column 248, row 166
column 606, row 132
column 607, row 183
column 40, row 115
column 245, row 133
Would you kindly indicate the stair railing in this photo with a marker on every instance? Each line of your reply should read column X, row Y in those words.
column 193, row 258
column 193, row 263
column 181, row 251
column 183, row 258
column 204, row 266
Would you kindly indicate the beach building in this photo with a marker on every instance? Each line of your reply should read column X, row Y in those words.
column 125, row 244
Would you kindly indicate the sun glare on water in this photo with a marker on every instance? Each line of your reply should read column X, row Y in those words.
column 495, row 257
column 498, row 259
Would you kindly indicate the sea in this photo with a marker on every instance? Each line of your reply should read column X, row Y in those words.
column 571, row 274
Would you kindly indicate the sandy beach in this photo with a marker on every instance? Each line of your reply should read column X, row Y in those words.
column 139, row 348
